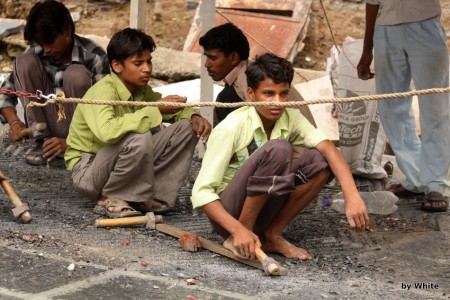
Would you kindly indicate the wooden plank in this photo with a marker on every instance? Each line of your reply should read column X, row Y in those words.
column 207, row 13
column 138, row 12
column 208, row 245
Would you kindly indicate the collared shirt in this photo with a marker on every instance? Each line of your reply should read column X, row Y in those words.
column 233, row 139
column 237, row 79
column 94, row 126
column 394, row 12
column 84, row 52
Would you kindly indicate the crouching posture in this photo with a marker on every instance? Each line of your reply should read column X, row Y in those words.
column 121, row 156
column 250, row 186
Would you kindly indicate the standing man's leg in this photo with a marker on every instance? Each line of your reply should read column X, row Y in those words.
column 428, row 54
column 393, row 74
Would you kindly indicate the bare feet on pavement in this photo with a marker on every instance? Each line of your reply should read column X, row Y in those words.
column 278, row 244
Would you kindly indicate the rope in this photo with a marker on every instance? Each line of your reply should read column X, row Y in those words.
column 333, row 37
column 61, row 99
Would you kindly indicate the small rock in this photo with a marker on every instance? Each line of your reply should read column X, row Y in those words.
column 191, row 281
column 71, row 267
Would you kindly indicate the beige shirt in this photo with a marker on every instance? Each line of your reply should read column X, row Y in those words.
column 237, row 79
column 394, row 12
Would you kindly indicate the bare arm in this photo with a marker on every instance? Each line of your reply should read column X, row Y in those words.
column 364, row 72
column 355, row 208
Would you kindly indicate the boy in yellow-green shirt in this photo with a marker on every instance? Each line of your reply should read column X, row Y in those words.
column 250, row 186
column 121, row 156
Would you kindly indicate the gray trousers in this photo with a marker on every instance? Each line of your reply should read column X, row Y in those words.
column 140, row 167
column 270, row 170
column 77, row 80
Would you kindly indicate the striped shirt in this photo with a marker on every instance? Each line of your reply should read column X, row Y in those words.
column 84, row 52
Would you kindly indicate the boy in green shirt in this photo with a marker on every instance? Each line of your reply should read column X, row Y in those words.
column 120, row 155
column 250, row 185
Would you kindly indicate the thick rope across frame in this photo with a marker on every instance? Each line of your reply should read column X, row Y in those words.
column 61, row 99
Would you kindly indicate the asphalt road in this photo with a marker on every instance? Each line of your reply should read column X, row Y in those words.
column 61, row 255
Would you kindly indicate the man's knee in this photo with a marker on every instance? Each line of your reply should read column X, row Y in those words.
column 310, row 166
column 184, row 128
column 77, row 80
column 278, row 150
column 27, row 64
column 138, row 140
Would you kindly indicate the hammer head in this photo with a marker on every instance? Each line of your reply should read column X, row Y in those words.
column 152, row 220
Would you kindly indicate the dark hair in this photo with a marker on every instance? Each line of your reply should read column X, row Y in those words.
column 45, row 20
column 128, row 42
column 227, row 38
column 270, row 66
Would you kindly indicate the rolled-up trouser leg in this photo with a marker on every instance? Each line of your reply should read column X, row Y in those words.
column 269, row 171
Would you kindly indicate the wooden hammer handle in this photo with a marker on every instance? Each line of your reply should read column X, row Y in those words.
column 121, row 222
column 26, row 132
column 269, row 265
column 25, row 216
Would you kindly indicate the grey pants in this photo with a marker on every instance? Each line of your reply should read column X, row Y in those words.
column 270, row 170
column 77, row 80
column 140, row 167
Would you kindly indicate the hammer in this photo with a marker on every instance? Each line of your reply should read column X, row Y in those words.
column 32, row 131
column 149, row 221
column 20, row 210
column 270, row 265
column 265, row 263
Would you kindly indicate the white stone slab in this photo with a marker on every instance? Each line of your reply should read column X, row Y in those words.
column 189, row 89
column 10, row 26
column 320, row 89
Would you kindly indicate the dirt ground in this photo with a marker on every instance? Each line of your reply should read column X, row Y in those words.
column 170, row 24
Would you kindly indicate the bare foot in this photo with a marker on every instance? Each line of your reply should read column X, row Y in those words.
column 228, row 244
column 278, row 244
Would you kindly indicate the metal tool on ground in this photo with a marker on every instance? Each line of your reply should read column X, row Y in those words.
column 149, row 221
column 265, row 263
column 20, row 210
column 34, row 130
